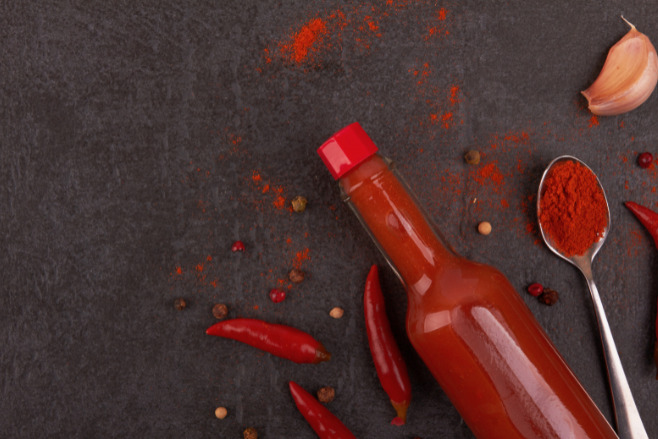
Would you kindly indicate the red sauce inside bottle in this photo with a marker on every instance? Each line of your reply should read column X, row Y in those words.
column 470, row 326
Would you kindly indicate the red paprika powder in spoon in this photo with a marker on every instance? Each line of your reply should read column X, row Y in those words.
column 573, row 210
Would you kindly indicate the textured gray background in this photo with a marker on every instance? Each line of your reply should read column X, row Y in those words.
column 130, row 135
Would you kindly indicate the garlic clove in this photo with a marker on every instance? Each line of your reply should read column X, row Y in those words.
column 628, row 77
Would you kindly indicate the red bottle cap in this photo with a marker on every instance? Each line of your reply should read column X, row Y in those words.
column 346, row 149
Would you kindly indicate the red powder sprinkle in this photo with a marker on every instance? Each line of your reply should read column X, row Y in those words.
column 593, row 121
column 280, row 202
column 235, row 139
column 256, row 176
column 305, row 41
column 523, row 137
column 179, row 270
column 490, row 172
column 439, row 28
column 454, row 90
column 300, row 257
column 199, row 267
column 447, row 119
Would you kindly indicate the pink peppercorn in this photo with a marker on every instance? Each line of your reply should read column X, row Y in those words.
column 644, row 160
column 535, row 289
column 238, row 246
column 277, row 295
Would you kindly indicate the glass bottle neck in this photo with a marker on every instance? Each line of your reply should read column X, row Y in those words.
column 386, row 207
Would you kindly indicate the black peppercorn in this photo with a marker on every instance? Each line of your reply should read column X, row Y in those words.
column 250, row 433
column 180, row 304
column 548, row 297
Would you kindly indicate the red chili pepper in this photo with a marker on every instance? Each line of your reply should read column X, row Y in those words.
column 280, row 340
column 325, row 424
column 649, row 220
column 390, row 366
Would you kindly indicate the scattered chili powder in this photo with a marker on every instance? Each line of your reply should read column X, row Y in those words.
column 454, row 90
column 439, row 28
column 306, row 41
column 572, row 209
column 265, row 187
column 300, row 257
column 490, row 172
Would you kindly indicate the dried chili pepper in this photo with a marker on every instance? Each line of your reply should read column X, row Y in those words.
column 649, row 220
column 390, row 366
column 280, row 340
column 325, row 424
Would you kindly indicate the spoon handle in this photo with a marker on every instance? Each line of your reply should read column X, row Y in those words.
column 629, row 423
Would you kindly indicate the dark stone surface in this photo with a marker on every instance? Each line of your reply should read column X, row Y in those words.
column 130, row 136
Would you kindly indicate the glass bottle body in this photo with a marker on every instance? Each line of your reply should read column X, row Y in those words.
column 469, row 325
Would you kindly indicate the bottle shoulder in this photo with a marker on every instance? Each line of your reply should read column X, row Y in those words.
column 458, row 285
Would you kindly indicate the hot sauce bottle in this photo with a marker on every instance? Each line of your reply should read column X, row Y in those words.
column 466, row 321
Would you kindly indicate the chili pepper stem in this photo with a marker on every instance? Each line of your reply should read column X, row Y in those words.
column 321, row 354
column 401, row 410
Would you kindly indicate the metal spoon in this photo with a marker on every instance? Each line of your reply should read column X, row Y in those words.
column 629, row 424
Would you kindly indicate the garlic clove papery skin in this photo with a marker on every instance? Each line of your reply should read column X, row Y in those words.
column 628, row 77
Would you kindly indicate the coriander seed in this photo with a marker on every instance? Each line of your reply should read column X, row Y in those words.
column 299, row 203
column 221, row 412
column 472, row 157
column 484, row 228
column 336, row 312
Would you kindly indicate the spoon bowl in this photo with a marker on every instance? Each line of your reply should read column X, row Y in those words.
column 629, row 423
column 582, row 261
